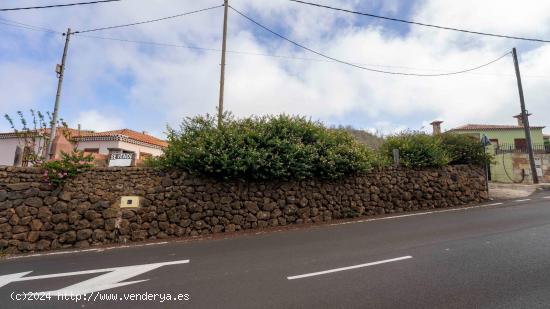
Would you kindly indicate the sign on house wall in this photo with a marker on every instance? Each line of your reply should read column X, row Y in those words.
column 121, row 159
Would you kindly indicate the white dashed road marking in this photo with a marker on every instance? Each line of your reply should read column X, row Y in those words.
column 324, row 272
column 525, row 200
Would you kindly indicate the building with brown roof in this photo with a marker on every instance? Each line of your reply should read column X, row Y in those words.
column 509, row 148
column 101, row 144
column 510, row 135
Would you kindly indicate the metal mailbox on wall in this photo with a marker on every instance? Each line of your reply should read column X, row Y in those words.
column 129, row 201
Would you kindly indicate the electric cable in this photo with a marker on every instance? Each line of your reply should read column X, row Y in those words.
column 359, row 66
column 150, row 21
column 57, row 5
column 26, row 26
column 328, row 60
column 421, row 24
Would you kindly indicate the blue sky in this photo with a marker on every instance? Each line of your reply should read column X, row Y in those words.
column 111, row 84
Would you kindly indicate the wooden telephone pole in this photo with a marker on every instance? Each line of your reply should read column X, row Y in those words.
column 525, row 120
column 60, row 69
column 222, row 78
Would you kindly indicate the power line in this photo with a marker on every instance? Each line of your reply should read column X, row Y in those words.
column 26, row 26
column 362, row 67
column 146, row 42
column 246, row 53
column 422, row 24
column 57, row 5
column 236, row 52
column 30, row 27
column 151, row 20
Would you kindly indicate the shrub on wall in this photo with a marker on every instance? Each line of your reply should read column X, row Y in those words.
column 56, row 172
column 464, row 149
column 416, row 149
column 272, row 147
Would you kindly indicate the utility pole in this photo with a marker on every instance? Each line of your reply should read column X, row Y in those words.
column 525, row 120
column 222, row 78
column 60, row 69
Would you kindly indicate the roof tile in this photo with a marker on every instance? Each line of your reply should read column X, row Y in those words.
column 141, row 137
column 478, row 127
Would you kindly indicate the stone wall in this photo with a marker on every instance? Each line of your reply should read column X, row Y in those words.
column 86, row 211
column 515, row 167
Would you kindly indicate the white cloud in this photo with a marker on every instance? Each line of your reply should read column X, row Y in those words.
column 93, row 120
column 184, row 82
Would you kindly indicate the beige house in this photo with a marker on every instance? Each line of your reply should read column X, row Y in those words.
column 121, row 141
column 101, row 144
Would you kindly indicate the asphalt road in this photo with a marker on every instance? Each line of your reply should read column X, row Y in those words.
column 495, row 256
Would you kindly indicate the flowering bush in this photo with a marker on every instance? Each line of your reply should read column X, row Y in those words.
column 58, row 171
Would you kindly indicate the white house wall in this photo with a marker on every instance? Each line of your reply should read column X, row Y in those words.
column 8, row 147
column 104, row 146
column 7, row 150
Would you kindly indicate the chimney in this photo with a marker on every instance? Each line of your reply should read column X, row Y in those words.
column 520, row 119
column 145, row 132
column 436, row 125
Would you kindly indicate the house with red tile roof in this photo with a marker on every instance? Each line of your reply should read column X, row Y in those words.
column 140, row 144
column 510, row 136
column 509, row 149
column 101, row 144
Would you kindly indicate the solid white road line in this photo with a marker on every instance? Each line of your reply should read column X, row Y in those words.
column 52, row 253
column 417, row 214
column 525, row 200
column 348, row 268
column 84, row 250
column 546, row 197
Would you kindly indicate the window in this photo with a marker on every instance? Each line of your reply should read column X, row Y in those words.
column 520, row 143
column 145, row 155
column 91, row 150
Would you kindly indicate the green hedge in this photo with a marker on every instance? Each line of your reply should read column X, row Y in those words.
column 464, row 149
column 418, row 149
column 273, row 147
column 286, row 147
